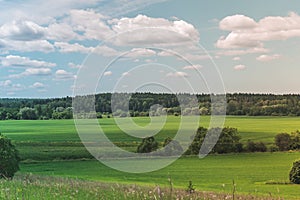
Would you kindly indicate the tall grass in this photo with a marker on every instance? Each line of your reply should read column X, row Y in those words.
column 30, row 187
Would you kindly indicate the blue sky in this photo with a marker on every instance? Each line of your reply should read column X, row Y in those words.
column 48, row 49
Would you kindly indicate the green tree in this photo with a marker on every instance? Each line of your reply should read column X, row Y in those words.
column 148, row 145
column 283, row 141
column 228, row 141
column 295, row 173
column 9, row 158
column 28, row 113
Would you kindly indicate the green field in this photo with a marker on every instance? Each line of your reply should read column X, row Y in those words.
column 48, row 147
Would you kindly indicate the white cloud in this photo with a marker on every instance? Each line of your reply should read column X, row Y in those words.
column 144, row 30
column 6, row 83
column 107, row 73
column 92, row 24
column 190, row 67
column 22, row 30
column 246, row 33
column 239, row 67
column 38, row 85
column 74, row 66
column 18, row 61
column 27, row 46
column 237, row 22
column 126, row 74
column 72, row 48
column 38, row 71
column 177, row 74
column 33, row 72
column 61, row 32
column 236, row 58
column 239, row 52
column 140, row 52
column 266, row 58
column 64, row 75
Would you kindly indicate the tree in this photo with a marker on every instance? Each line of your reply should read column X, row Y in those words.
column 283, row 141
column 295, row 140
column 256, row 146
column 295, row 173
column 28, row 113
column 148, row 145
column 227, row 142
column 9, row 158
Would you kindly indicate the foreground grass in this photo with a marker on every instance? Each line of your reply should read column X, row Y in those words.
column 43, row 187
column 255, row 174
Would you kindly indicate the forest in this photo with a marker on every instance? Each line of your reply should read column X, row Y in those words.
column 140, row 103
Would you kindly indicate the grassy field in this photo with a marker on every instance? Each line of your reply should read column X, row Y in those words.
column 47, row 148
column 256, row 173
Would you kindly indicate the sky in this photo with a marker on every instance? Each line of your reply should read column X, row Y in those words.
column 64, row 48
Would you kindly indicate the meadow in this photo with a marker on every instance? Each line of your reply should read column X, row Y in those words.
column 53, row 149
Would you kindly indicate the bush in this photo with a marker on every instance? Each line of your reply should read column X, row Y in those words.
column 9, row 157
column 228, row 142
column 295, row 173
column 256, row 146
column 148, row 145
column 283, row 141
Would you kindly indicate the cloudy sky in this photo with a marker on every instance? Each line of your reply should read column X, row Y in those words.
column 50, row 48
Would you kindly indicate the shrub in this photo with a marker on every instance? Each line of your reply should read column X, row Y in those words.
column 295, row 173
column 148, row 145
column 9, row 157
column 228, row 142
column 256, row 146
column 283, row 141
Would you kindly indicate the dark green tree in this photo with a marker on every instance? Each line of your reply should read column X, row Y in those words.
column 148, row 145
column 295, row 173
column 9, row 158
column 283, row 141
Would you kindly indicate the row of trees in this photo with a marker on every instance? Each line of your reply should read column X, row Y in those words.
column 228, row 142
column 140, row 104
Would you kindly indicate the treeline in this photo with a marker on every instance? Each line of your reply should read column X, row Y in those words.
column 140, row 104
column 227, row 142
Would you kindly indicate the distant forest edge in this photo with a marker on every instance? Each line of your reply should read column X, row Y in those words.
column 140, row 103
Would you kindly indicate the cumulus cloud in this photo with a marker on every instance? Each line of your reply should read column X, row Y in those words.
column 64, row 75
column 237, row 22
column 6, row 83
column 126, row 74
column 191, row 67
column 140, row 52
column 27, row 46
column 78, row 48
column 38, row 85
column 74, row 66
column 236, row 58
column 155, row 31
column 177, row 74
column 22, row 30
column 18, row 61
column 239, row 67
column 266, row 58
column 247, row 33
column 107, row 73
column 33, row 72
column 71, row 48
